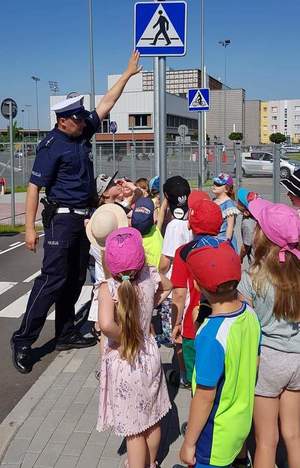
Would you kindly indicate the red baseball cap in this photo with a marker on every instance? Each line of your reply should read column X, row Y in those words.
column 205, row 217
column 195, row 196
column 213, row 266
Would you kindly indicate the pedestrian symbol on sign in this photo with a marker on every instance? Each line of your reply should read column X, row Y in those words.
column 160, row 28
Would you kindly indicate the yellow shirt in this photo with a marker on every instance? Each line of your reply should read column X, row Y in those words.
column 152, row 243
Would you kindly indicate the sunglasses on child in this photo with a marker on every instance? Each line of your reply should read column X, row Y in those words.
column 217, row 184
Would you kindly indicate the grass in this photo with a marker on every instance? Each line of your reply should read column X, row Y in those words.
column 17, row 229
column 295, row 156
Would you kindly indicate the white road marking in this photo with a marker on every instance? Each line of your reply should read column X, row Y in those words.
column 16, row 243
column 83, row 298
column 16, row 246
column 5, row 286
column 17, row 308
column 30, row 278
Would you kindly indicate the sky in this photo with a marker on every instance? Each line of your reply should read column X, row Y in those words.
column 50, row 39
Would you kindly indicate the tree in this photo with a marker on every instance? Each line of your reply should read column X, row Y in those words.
column 235, row 136
column 277, row 137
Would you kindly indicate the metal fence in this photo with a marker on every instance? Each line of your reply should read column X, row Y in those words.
column 133, row 160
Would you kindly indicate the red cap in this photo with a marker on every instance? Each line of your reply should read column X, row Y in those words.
column 213, row 266
column 195, row 196
column 205, row 217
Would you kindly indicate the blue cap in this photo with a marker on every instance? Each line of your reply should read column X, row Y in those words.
column 143, row 215
column 245, row 196
column 154, row 184
column 223, row 179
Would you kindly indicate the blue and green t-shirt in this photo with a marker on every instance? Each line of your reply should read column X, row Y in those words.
column 227, row 347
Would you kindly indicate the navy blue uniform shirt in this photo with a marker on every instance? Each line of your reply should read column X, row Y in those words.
column 64, row 166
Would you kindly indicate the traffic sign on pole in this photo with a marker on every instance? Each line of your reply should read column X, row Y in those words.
column 160, row 28
column 113, row 127
column 5, row 108
column 198, row 99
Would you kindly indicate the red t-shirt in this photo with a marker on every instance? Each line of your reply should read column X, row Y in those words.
column 182, row 278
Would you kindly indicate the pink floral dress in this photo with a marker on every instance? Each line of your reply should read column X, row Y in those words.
column 133, row 397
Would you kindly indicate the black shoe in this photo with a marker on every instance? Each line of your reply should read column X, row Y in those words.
column 77, row 340
column 21, row 358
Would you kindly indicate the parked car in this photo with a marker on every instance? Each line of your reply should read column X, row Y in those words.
column 290, row 149
column 261, row 163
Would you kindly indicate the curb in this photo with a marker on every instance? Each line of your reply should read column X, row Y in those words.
column 26, row 405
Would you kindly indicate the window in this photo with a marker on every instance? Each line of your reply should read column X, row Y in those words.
column 274, row 117
column 265, row 109
column 297, row 108
column 274, row 127
column 267, row 157
column 140, row 121
column 274, row 109
column 297, row 117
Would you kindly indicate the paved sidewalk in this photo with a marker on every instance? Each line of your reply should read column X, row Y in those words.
column 54, row 424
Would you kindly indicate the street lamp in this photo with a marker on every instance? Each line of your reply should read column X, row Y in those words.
column 54, row 88
column 36, row 79
column 28, row 106
column 225, row 43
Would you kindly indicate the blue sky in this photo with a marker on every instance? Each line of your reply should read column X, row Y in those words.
column 49, row 39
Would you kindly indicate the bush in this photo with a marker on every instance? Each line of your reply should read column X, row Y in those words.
column 277, row 137
column 235, row 136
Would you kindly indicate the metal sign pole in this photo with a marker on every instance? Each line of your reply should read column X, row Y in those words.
column 12, row 174
column 114, row 154
column 162, row 123
column 276, row 174
column 238, row 168
column 201, row 135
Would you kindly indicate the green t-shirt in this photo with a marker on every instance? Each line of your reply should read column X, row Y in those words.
column 152, row 243
column 227, row 347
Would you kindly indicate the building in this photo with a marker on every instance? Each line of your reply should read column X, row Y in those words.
column 252, row 122
column 180, row 81
column 280, row 116
column 134, row 111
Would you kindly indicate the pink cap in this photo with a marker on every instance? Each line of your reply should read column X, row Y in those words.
column 124, row 251
column 280, row 223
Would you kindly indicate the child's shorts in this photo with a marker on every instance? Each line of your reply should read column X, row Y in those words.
column 277, row 371
column 189, row 354
column 200, row 465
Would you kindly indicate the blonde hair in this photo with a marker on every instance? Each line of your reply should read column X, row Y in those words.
column 128, row 317
column 284, row 276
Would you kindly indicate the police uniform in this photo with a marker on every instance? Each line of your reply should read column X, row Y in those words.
column 64, row 166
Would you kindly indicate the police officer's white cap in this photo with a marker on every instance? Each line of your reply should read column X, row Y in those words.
column 71, row 106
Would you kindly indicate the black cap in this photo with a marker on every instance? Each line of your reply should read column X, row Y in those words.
column 177, row 190
column 292, row 183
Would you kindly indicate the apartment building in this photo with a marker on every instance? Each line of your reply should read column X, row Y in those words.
column 281, row 116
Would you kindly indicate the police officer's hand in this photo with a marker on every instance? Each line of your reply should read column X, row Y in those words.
column 31, row 239
column 133, row 65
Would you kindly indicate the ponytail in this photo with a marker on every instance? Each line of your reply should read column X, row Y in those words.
column 129, row 319
column 230, row 192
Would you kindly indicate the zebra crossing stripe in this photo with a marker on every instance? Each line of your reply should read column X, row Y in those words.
column 17, row 308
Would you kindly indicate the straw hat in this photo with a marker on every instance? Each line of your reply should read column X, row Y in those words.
column 105, row 219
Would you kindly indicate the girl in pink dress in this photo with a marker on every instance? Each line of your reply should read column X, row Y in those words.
column 133, row 391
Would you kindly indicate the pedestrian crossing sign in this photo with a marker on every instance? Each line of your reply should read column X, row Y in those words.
column 198, row 99
column 160, row 28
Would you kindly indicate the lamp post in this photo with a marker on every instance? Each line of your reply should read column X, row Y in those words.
column 36, row 79
column 225, row 43
column 28, row 106
column 201, row 126
column 54, row 88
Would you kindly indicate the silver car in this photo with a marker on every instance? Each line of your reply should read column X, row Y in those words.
column 261, row 163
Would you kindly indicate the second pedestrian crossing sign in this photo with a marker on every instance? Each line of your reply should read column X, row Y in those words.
column 160, row 28
column 198, row 99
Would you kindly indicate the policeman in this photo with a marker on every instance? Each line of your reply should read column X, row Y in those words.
column 63, row 165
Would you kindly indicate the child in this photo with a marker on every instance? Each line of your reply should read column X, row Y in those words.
column 143, row 220
column 176, row 190
column 292, row 184
column 205, row 220
column 273, row 287
column 133, row 391
column 227, row 347
column 248, row 224
column 143, row 184
column 224, row 193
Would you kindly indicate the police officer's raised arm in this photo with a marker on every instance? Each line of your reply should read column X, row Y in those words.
column 108, row 101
